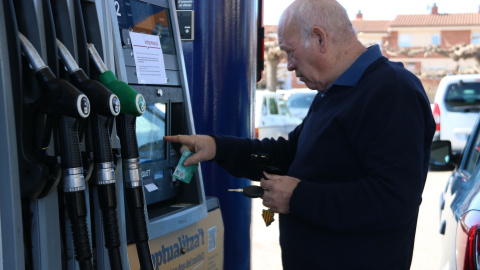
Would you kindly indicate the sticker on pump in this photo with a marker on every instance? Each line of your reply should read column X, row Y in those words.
column 148, row 55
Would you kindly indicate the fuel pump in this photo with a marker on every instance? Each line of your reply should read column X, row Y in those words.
column 69, row 104
column 145, row 43
column 149, row 219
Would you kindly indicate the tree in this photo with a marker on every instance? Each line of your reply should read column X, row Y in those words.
column 273, row 56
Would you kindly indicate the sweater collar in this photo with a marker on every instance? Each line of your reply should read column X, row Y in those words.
column 352, row 75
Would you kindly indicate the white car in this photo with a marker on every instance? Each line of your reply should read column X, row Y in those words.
column 299, row 103
column 455, row 109
column 272, row 118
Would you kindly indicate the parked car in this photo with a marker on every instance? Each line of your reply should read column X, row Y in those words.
column 456, row 108
column 272, row 118
column 460, row 203
column 299, row 102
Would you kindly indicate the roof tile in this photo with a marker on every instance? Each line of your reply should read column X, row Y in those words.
column 437, row 20
column 371, row 26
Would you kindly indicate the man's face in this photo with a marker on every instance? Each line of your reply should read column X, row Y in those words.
column 308, row 63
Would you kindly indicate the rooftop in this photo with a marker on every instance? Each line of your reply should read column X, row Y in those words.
column 437, row 20
column 423, row 20
column 371, row 26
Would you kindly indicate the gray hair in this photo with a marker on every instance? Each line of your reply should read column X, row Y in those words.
column 328, row 14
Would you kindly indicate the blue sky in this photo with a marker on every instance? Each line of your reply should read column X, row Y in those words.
column 379, row 9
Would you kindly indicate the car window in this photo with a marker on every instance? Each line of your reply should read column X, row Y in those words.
column 473, row 157
column 302, row 101
column 461, row 96
column 264, row 107
column 273, row 106
column 282, row 106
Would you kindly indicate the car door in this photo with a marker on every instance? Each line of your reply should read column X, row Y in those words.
column 453, row 198
column 275, row 120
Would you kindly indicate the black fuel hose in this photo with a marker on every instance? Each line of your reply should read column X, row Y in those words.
column 134, row 187
column 74, row 188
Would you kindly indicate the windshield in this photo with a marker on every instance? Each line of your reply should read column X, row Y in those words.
column 301, row 101
column 463, row 96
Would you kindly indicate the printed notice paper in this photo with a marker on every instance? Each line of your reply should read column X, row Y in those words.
column 148, row 55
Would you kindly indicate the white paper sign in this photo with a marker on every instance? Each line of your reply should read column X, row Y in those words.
column 148, row 55
column 151, row 187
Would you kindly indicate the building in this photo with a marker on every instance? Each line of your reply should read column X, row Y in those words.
column 413, row 34
column 407, row 38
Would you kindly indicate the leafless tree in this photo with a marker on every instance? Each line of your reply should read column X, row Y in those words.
column 273, row 56
column 456, row 53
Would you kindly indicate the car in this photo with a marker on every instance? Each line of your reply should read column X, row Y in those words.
column 299, row 103
column 459, row 203
column 272, row 117
column 455, row 108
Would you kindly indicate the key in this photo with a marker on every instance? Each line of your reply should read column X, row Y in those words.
column 256, row 192
column 249, row 191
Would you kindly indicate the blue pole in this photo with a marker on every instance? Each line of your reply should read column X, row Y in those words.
column 220, row 65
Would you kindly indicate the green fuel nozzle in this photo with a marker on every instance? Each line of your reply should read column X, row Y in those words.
column 132, row 102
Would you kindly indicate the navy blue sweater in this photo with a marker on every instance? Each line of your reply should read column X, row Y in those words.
column 362, row 157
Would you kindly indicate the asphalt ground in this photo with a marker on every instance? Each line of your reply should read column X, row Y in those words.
column 265, row 248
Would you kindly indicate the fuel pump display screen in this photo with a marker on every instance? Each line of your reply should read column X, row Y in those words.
column 143, row 17
column 150, row 128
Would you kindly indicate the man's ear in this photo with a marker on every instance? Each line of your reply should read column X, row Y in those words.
column 320, row 37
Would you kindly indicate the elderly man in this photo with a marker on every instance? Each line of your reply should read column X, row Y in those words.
column 357, row 164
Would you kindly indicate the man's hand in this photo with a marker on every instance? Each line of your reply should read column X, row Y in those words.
column 278, row 191
column 203, row 147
